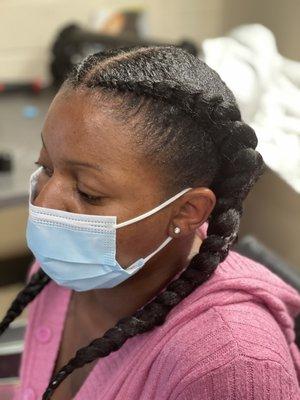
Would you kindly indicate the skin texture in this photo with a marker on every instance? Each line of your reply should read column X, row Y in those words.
column 79, row 129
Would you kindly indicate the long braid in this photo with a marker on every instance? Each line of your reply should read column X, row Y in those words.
column 222, row 230
column 37, row 283
column 231, row 187
column 213, row 108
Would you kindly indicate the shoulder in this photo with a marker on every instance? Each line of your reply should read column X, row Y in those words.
column 243, row 378
column 229, row 350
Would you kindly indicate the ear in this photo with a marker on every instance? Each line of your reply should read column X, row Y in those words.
column 192, row 210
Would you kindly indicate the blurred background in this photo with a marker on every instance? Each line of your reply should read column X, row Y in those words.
column 253, row 45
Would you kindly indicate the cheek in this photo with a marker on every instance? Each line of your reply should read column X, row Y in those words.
column 140, row 239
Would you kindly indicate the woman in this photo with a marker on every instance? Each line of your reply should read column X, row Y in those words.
column 143, row 150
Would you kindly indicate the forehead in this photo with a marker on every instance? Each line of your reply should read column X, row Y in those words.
column 80, row 126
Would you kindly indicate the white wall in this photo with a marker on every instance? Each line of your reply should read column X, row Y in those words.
column 28, row 27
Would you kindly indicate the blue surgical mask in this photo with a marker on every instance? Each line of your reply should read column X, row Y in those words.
column 78, row 251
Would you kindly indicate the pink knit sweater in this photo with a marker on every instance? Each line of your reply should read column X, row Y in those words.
column 232, row 338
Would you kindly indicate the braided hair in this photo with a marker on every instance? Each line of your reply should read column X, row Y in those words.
column 186, row 121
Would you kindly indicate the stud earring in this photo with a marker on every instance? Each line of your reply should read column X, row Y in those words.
column 177, row 230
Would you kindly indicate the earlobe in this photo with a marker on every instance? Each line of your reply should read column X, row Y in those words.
column 194, row 211
column 175, row 231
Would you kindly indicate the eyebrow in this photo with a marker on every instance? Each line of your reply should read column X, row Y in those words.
column 78, row 163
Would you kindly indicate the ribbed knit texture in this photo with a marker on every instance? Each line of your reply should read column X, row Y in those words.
column 231, row 339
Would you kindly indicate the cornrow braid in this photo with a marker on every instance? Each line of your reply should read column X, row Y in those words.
column 236, row 142
column 224, row 134
column 37, row 283
column 194, row 113
column 174, row 93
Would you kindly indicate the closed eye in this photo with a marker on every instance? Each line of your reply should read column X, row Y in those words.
column 85, row 196
column 88, row 197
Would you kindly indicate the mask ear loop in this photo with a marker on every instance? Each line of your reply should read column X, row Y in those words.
column 153, row 211
column 32, row 184
column 159, row 248
column 134, row 267
column 169, row 238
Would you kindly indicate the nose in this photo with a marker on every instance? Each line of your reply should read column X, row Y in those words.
column 50, row 193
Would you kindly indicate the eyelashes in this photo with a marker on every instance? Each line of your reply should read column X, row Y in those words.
column 85, row 196
column 88, row 197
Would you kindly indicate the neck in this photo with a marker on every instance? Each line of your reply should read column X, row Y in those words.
column 112, row 304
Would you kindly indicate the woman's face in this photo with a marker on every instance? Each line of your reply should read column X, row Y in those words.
column 91, row 166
